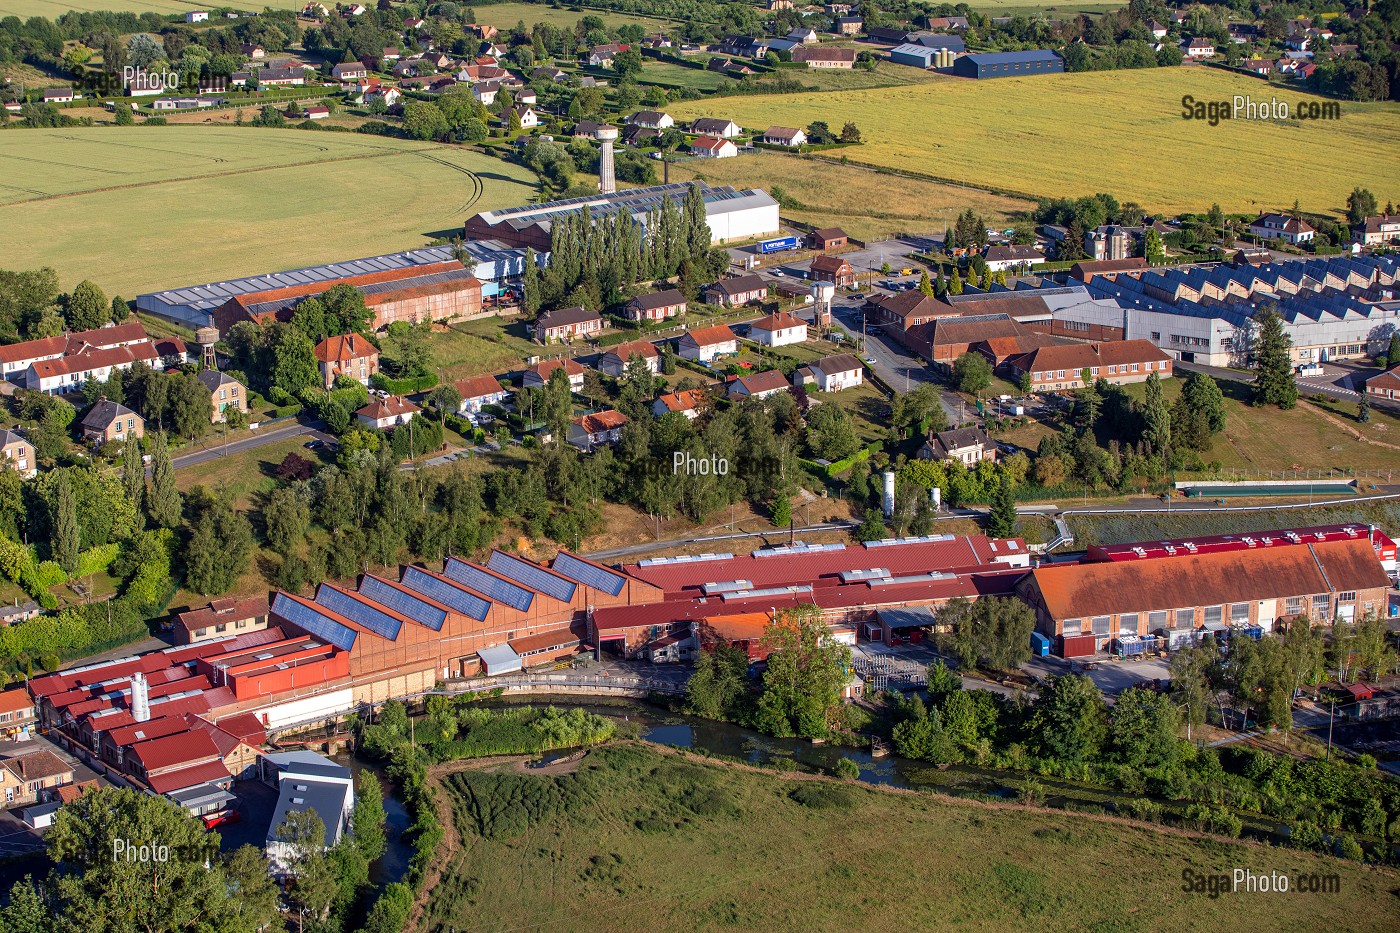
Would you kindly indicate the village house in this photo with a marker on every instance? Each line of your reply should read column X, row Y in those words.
column 784, row 136
column 566, row 324
column 347, row 72
column 382, row 413
column 1056, row 368
column 29, row 778
column 778, row 330
column 1376, row 231
column 758, row 385
column 477, row 392
column 847, row 25
column 1385, row 387
column 1007, row 258
column 689, row 403
column 348, row 355
column 17, row 712
column 831, row 373
column 707, row 343
column 109, row 422
column 736, row 290
column 225, row 392
column 599, row 429
column 219, row 619
column 18, row 453
column 828, row 238
column 833, row 269
column 197, row 16
column 68, row 373
column 527, row 115
column 614, row 362
column 1197, row 48
column 651, row 119
column 968, row 446
column 844, row 59
column 656, row 306
column 803, row 35
column 601, row 56
column 538, row 375
column 712, row 147
column 712, row 126
column 1282, row 227
column 58, row 95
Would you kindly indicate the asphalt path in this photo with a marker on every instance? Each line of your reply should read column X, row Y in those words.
column 212, row 448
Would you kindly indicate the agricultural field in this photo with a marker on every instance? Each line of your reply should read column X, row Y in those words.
column 506, row 15
column 855, row 199
column 137, row 209
column 52, row 9
column 1120, row 131
column 885, row 74
column 671, row 75
column 638, row 839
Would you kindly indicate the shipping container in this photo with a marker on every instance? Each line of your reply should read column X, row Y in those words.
column 1040, row 645
column 777, row 244
column 1076, row 646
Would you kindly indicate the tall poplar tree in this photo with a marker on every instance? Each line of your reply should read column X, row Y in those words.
column 163, row 504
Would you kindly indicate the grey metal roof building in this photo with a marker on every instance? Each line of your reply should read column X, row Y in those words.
column 1009, row 64
column 193, row 305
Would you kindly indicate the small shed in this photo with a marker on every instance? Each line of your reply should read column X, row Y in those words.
column 829, row 238
column 40, row 816
column 1360, row 692
column 499, row 659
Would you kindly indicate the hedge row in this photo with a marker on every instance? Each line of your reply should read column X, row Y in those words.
column 403, row 386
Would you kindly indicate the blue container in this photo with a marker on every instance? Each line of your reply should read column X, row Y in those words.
column 1040, row 645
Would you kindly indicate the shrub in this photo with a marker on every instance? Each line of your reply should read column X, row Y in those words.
column 97, row 559
column 847, row 770
column 403, row 386
column 1349, row 848
column 816, row 796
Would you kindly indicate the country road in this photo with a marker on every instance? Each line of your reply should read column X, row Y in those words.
column 212, row 449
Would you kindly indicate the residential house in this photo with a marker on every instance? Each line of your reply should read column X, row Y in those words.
column 1385, row 387
column 567, row 324
column 713, row 126
column 778, row 330
column 1198, row 48
column 544, row 73
column 484, row 32
column 636, row 136
column 834, row 373
column 1157, row 29
column 844, row 59
column 1084, row 607
column 651, row 119
column 220, row 619
column 833, row 269
column 601, row 428
column 690, row 403
column 803, row 35
column 349, row 355
column 1008, row 258
column 197, row 16
column 382, row 413
column 17, row 454
column 225, row 393
column 707, row 343
column 538, row 375
column 527, row 115
column 347, row 72
column 615, row 361
column 948, row 23
column 729, row 67
column 1111, row 242
column 775, row 5
column 847, row 25
column 1282, row 227
column 969, row 446
column 828, row 238
column 784, row 136
column 306, row 781
column 390, row 95
column 30, row 778
column 529, row 98
column 736, row 290
column 68, row 373
column 747, row 46
column 712, row 147
column 905, row 311
column 1376, row 231
column 17, row 712
column 252, row 52
column 477, row 392
column 1056, row 368
column 58, row 95
column 1259, row 66
column 656, row 306
column 413, row 24
column 601, row 56
column 758, row 385
column 20, row 612
column 109, row 422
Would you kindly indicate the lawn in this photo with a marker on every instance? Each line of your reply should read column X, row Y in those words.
column 138, row 209
column 1119, row 131
column 641, row 840
column 241, row 477
column 484, row 346
column 868, row 205
column 53, row 9
column 669, row 74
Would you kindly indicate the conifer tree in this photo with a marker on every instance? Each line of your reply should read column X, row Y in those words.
column 163, row 505
column 1273, row 366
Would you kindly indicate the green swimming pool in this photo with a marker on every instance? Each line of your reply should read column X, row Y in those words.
column 1316, row 488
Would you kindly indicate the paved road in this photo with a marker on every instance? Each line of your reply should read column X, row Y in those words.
column 1341, row 381
column 212, row 449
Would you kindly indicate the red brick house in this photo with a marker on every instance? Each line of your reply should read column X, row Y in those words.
column 1053, row 368
column 567, row 324
column 658, row 306
column 833, row 269
column 347, row 355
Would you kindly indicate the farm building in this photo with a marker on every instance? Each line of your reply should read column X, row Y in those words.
column 1009, row 64
column 916, row 56
column 934, row 40
column 731, row 214
column 826, row 58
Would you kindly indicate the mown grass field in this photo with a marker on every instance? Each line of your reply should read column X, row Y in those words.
column 137, row 209
column 1120, row 131
column 857, row 200
column 52, row 9
column 671, row 75
column 640, row 840
column 505, row 15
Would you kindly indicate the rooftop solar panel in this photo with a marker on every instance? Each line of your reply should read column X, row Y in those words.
column 533, row 576
column 307, row 618
column 469, row 604
column 502, row 591
column 404, row 603
column 605, row 581
column 357, row 610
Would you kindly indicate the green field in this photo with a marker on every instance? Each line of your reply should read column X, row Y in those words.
column 506, row 15
column 52, row 9
column 669, row 75
column 1120, row 132
column 137, row 209
column 640, row 840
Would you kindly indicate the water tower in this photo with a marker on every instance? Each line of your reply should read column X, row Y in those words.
column 206, row 337
column 607, row 177
column 822, row 295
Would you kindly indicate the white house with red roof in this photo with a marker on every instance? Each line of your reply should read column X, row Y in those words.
column 477, row 392
column 1282, row 227
column 712, row 147
column 778, row 330
column 384, row 413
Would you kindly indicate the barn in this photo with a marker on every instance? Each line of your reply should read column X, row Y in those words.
column 1009, row 64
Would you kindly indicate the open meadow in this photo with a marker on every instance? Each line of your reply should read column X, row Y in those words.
column 1119, row 131
column 506, row 15
column 52, row 9
column 642, row 840
column 137, row 208
column 855, row 199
